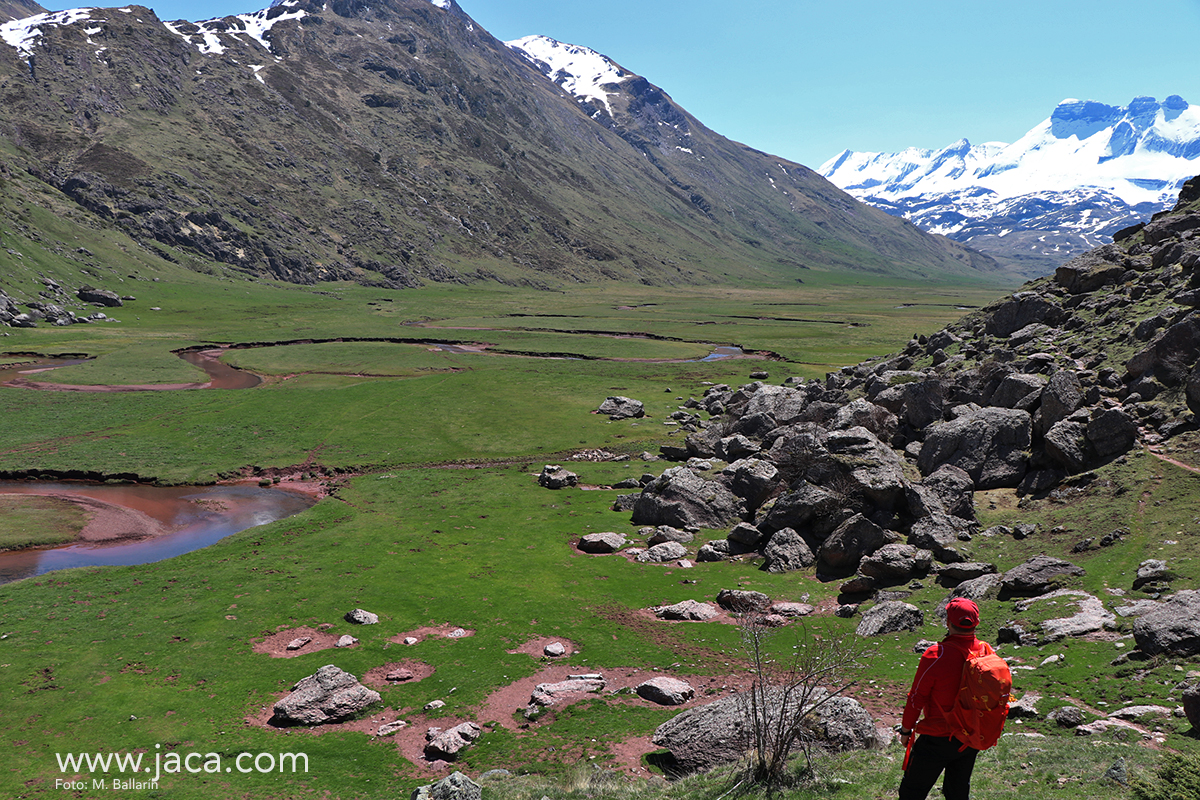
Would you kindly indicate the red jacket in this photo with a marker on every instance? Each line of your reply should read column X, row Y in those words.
column 937, row 682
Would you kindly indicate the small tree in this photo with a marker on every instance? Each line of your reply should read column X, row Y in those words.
column 787, row 692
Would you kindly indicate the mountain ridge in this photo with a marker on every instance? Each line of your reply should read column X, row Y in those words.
column 397, row 143
column 1066, row 186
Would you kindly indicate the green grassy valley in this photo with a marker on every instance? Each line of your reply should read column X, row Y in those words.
column 435, row 522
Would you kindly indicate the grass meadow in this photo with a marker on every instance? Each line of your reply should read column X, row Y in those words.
column 436, row 519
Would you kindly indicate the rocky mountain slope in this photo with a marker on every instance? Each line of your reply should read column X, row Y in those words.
column 397, row 142
column 869, row 475
column 1065, row 187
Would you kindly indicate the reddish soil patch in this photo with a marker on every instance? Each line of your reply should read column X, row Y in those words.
column 446, row 631
column 276, row 644
column 537, row 647
column 377, row 678
column 505, row 704
column 109, row 522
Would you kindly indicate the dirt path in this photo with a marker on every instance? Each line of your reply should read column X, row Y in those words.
column 1154, row 452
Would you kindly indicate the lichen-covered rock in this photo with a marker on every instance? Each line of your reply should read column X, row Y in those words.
column 445, row 745
column 601, row 543
column 1172, row 628
column 991, row 445
column 681, row 498
column 1039, row 575
column 854, row 538
column 554, row 476
column 617, row 407
column 890, row 616
column 665, row 691
column 328, row 695
column 787, row 551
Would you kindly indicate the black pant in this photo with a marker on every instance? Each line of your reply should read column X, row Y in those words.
column 931, row 755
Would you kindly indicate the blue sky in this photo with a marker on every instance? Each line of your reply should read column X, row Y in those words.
column 804, row 79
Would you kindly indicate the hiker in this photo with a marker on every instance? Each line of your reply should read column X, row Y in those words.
column 942, row 744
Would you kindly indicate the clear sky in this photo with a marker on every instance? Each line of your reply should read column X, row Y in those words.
column 805, row 79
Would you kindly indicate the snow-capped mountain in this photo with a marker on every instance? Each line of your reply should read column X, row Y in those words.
column 1066, row 186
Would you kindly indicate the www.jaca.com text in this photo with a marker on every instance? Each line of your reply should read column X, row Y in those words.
column 172, row 763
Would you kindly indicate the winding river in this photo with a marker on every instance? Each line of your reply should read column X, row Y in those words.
column 187, row 518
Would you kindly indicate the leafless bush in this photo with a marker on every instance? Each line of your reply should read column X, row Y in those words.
column 788, row 691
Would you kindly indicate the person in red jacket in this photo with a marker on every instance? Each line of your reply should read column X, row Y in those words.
column 933, row 691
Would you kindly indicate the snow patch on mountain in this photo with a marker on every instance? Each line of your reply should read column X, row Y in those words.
column 207, row 36
column 583, row 72
column 23, row 34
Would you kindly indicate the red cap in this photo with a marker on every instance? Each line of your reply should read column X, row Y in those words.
column 962, row 613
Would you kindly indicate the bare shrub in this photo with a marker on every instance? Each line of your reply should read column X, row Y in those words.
column 788, row 691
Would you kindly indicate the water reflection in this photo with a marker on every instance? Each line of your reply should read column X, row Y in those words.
column 194, row 516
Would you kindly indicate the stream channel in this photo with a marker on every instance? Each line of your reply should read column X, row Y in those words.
column 192, row 516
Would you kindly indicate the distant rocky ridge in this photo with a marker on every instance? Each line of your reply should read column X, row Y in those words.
column 396, row 143
column 1065, row 187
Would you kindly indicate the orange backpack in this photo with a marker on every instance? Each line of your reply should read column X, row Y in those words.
column 981, row 706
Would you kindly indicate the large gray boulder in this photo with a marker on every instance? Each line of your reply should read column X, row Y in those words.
column 661, row 553
column 873, row 469
column 665, row 691
column 854, row 538
column 720, row 732
column 547, row 694
column 949, row 490
column 1019, row 390
column 1039, row 575
column 445, row 745
column 918, row 403
column 1061, row 397
column 454, row 786
column 554, row 476
column 1024, row 308
column 328, row 695
column 787, row 551
column 1191, row 705
column 602, row 543
column 985, row 587
column 991, row 445
column 891, row 616
column 681, row 498
column 665, row 533
column 687, row 611
column 808, row 508
column 841, row 724
column 1179, row 344
column 896, row 563
column 783, row 405
column 742, row 600
column 707, row 736
column 863, row 413
column 103, row 297
column 1111, row 433
column 1066, row 444
column 617, row 407
column 1173, row 628
column 943, row 535
column 751, row 479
